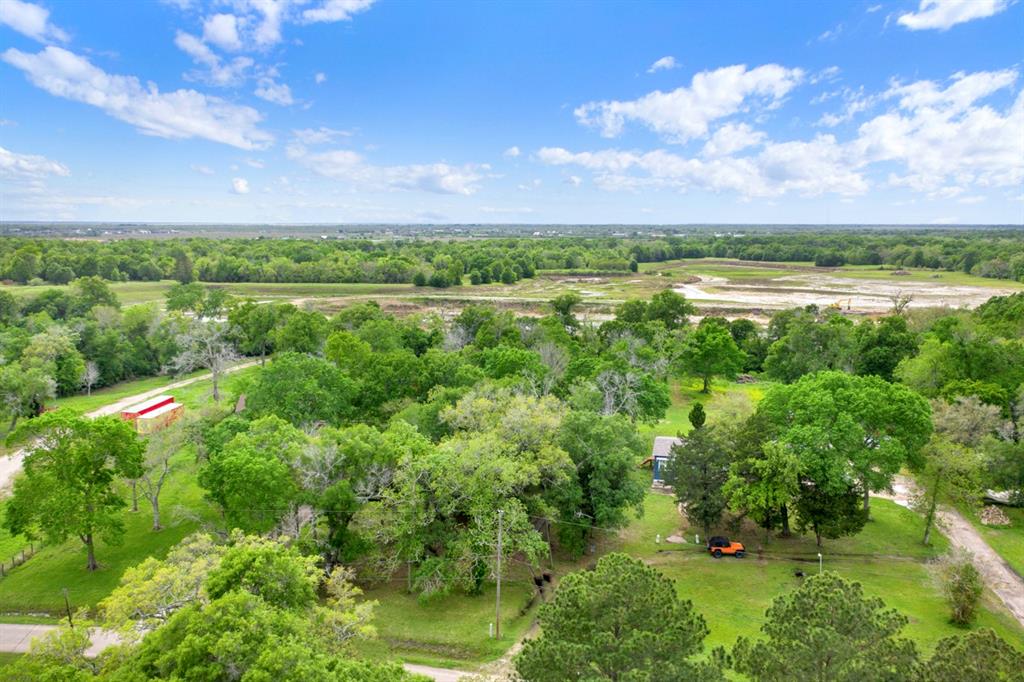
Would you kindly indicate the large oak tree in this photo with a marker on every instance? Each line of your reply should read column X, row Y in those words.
column 69, row 485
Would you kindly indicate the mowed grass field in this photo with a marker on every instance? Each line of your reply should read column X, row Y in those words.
column 35, row 587
column 112, row 394
column 1007, row 541
column 727, row 402
column 733, row 594
column 452, row 631
column 132, row 293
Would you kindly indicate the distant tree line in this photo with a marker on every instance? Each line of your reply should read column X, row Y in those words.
column 440, row 263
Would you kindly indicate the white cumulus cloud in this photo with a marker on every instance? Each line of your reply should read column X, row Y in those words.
column 351, row 167
column 945, row 14
column 937, row 138
column 808, row 168
column 731, row 138
column 222, row 31
column 272, row 91
column 321, row 135
column 663, row 64
column 30, row 20
column 946, row 134
column 686, row 112
column 258, row 25
column 512, row 152
column 201, row 169
column 13, row 164
column 179, row 114
column 336, row 10
column 218, row 72
column 320, row 78
column 268, row 28
column 239, row 185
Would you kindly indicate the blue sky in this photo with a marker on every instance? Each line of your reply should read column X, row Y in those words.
column 527, row 112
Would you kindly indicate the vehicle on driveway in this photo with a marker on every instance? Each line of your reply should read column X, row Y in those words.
column 719, row 546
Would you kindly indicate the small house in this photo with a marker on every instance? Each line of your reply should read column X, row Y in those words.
column 660, row 455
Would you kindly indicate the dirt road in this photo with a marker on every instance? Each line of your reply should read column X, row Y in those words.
column 11, row 464
column 999, row 577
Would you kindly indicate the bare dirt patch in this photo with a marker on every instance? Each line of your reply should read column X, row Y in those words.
column 847, row 294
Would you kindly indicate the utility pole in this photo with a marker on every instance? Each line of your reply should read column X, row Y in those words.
column 497, row 606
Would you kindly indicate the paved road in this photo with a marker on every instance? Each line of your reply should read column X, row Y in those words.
column 437, row 674
column 16, row 638
column 999, row 577
column 11, row 464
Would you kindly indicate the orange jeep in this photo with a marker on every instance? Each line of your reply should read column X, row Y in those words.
column 719, row 545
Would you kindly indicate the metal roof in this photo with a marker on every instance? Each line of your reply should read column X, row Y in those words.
column 662, row 445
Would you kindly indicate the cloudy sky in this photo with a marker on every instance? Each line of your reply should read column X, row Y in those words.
column 900, row 111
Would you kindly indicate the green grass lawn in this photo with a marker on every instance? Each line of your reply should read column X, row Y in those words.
column 451, row 631
column 192, row 395
column 291, row 290
column 716, row 267
column 727, row 402
column 733, row 594
column 132, row 293
column 35, row 587
column 128, row 293
column 7, row 659
column 1007, row 541
column 112, row 394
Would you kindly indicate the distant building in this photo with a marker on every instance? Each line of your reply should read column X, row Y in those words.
column 154, row 414
column 661, row 453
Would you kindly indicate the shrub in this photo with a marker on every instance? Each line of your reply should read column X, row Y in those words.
column 961, row 583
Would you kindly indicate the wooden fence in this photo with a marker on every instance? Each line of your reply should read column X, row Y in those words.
column 18, row 559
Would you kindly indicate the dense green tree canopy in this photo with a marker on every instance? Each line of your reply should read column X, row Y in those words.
column 302, row 390
column 621, row 621
column 69, row 485
column 827, row 631
column 710, row 351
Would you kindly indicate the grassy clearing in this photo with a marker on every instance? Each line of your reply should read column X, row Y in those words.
column 192, row 395
column 22, row 619
column 129, row 293
column 272, row 290
column 35, row 587
column 887, row 557
column 7, row 659
column 727, row 403
column 732, row 270
column 733, row 594
column 452, row 631
column 112, row 394
column 1007, row 541
column 132, row 293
